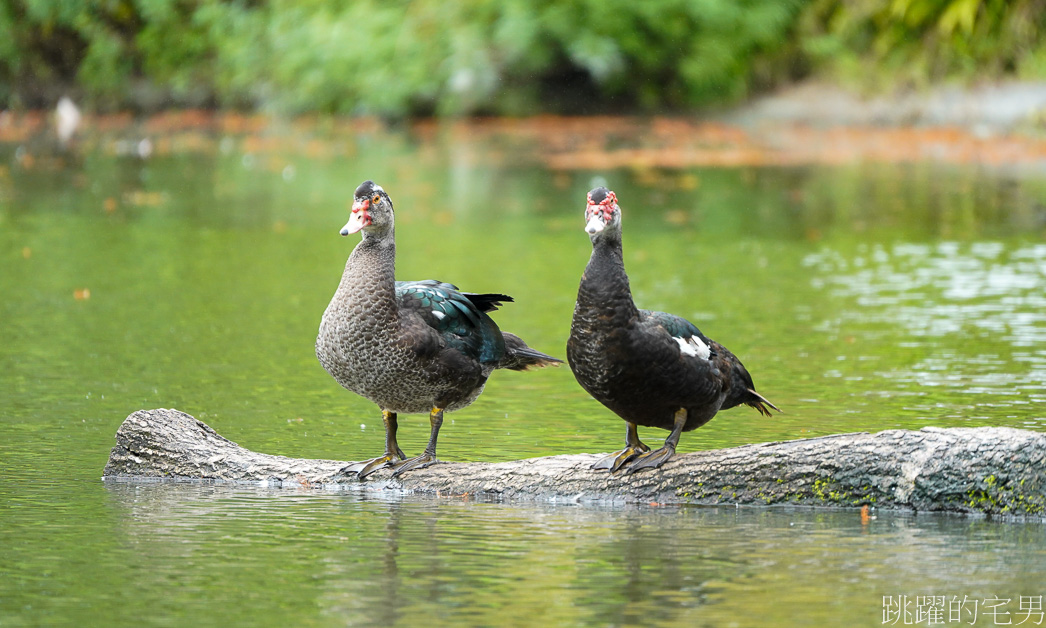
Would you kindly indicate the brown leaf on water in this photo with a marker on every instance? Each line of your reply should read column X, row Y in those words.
column 649, row 177
column 109, row 205
column 82, row 294
column 865, row 518
column 141, row 198
column 689, row 182
column 677, row 217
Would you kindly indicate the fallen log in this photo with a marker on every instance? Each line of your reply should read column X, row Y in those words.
column 993, row 470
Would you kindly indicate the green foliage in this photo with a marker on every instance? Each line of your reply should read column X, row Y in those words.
column 65, row 41
column 175, row 48
column 877, row 42
column 397, row 57
column 505, row 56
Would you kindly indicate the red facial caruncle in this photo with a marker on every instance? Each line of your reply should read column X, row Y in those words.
column 362, row 208
column 604, row 207
column 360, row 217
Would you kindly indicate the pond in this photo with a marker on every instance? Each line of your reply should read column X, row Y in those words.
column 861, row 297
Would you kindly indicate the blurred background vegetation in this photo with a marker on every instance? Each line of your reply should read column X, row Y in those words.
column 420, row 57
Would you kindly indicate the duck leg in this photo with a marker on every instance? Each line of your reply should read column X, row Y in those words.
column 393, row 453
column 427, row 457
column 633, row 447
column 658, row 457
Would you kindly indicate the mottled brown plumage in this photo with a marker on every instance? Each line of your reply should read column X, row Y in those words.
column 409, row 346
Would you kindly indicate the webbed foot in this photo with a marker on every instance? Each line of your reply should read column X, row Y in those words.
column 618, row 459
column 652, row 459
column 418, row 462
column 428, row 457
column 366, row 467
column 393, row 453
column 633, row 448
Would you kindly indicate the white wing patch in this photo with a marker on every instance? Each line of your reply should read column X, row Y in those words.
column 439, row 315
column 694, row 346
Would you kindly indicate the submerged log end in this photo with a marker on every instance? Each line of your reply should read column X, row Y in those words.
column 992, row 470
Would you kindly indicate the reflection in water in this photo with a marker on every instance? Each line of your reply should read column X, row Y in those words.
column 938, row 291
column 353, row 558
column 975, row 314
column 864, row 298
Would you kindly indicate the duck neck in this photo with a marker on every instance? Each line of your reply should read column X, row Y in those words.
column 604, row 286
column 370, row 276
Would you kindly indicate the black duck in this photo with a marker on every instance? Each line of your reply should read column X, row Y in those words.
column 651, row 368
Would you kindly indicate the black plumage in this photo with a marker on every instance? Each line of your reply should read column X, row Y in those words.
column 650, row 368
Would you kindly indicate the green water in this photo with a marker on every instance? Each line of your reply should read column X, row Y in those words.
column 860, row 298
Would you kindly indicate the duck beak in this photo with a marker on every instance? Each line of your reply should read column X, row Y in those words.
column 595, row 223
column 360, row 218
column 594, row 226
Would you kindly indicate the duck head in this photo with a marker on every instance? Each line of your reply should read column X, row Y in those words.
column 371, row 211
column 602, row 215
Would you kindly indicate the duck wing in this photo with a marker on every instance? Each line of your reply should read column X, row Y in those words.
column 740, row 388
column 690, row 339
column 457, row 319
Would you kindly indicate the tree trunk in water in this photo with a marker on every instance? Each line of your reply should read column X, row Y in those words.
column 993, row 470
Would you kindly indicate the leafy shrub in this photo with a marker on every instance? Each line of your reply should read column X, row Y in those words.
column 881, row 43
column 397, row 57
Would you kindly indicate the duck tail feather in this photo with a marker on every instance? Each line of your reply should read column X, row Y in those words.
column 488, row 302
column 758, row 403
column 520, row 357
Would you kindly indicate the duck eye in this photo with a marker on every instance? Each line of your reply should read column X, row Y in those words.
column 376, row 199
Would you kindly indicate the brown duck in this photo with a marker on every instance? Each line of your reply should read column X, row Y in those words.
column 409, row 346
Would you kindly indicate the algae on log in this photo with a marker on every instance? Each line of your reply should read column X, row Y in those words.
column 992, row 470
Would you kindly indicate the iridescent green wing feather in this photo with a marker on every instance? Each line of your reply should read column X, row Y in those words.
column 461, row 324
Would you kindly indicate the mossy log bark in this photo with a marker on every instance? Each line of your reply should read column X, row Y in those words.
column 991, row 470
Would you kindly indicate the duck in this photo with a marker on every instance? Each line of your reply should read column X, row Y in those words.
column 652, row 369
column 409, row 346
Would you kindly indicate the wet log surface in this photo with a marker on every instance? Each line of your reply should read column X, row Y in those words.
column 992, row 470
